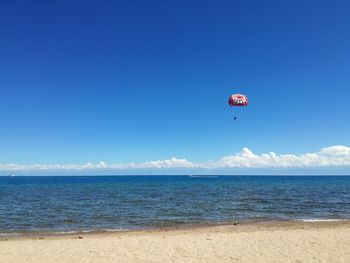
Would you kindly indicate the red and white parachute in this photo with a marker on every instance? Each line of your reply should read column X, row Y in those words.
column 238, row 100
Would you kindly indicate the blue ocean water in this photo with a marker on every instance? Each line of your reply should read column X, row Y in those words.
column 97, row 203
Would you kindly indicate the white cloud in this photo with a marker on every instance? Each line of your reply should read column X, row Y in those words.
column 330, row 156
column 334, row 156
column 159, row 164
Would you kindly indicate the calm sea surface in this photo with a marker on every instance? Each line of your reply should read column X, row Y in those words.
column 97, row 203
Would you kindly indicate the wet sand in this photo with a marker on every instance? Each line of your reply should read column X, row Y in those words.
column 258, row 242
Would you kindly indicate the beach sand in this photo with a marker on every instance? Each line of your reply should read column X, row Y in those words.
column 264, row 242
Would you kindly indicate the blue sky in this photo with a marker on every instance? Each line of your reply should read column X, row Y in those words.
column 136, row 81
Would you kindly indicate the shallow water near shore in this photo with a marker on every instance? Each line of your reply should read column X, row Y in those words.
column 63, row 204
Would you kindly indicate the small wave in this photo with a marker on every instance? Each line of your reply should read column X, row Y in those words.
column 319, row 220
column 63, row 232
column 8, row 234
column 91, row 231
column 70, row 232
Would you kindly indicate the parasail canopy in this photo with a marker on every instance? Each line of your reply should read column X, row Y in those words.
column 238, row 100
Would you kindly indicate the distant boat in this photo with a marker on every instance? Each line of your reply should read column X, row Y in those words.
column 203, row 176
column 11, row 175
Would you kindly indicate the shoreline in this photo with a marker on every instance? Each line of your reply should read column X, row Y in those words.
column 248, row 225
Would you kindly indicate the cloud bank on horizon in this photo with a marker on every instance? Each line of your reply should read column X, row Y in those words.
column 332, row 157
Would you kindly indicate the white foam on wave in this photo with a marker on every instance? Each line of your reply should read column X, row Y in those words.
column 91, row 231
column 70, row 232
column 8, row 234
column 319, row 220
column 67, row 232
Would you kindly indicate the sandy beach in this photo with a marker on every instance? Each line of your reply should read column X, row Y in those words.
column 264, row 242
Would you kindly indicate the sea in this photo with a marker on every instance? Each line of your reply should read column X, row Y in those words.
column 72, row 204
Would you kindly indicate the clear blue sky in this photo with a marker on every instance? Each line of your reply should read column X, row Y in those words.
column 130, row 81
